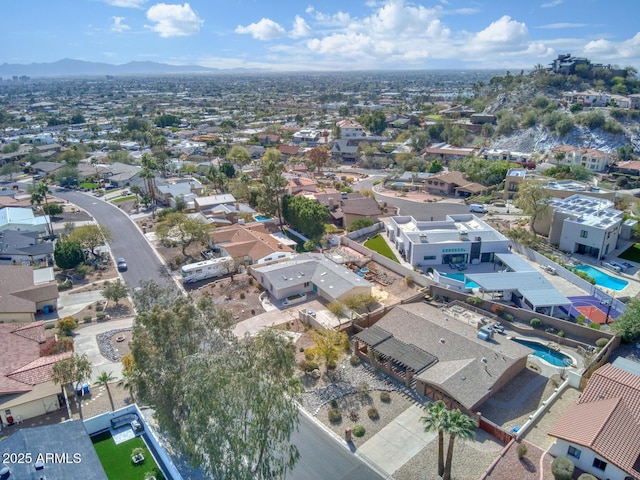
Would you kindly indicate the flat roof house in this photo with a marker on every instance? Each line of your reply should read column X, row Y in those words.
column 310, row 272
column 600, row 432
column 458, row 239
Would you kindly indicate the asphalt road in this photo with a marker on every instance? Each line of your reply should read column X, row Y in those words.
column 128, row 241
column 321, row 457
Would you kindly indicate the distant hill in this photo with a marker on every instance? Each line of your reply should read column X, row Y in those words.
column 70, row 67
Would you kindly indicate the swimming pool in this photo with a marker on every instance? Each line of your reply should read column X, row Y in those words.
column 557, row 359
column 602, row 279
column 460, row 278
column 261, row 218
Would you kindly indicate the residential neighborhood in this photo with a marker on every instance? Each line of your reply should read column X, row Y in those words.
column 378, row 269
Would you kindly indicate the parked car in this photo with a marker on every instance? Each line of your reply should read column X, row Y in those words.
column 122, row 265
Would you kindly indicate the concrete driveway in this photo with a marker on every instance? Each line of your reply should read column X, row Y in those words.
column 85, row 341
column 71, row 303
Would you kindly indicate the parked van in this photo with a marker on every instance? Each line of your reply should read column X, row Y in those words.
column 477, row 208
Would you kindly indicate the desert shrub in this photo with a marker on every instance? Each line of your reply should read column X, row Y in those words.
column 334, row 415
column 602, row 342
column 363, row 390
column 562, row 468
column 354, row 360
column 67, row 325
column 241, row 295
column 354, row 416
column 137, row 451
column 373, row 413
column 474, row 301
column 86, row 319
column 408, row 280
column 67, row 284
column 100, row 316
column 535, row 323
column 508, row 317
column 522, row 451
column 337, row 309
column 334, row 403
column 308, row 366
column 581, row 319
column 310, row 353
column 561, row 334
column 595, row 326
column 385, row 397
column 587, row 476
column 358, row 431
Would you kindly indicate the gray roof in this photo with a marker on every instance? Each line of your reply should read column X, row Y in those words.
column 47, row 440
column 627, row 365
column 460, row 369
column 16, row 242
column 373, row 336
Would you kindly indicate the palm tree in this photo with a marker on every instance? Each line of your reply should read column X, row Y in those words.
column 38, row 195
column 435, row 419
column 457, row 425
column 127, row 382
column 103, row 381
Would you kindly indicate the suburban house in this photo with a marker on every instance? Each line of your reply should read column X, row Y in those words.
column 22, row 219
column 23, row 247
column 310, row 137
column 288, row 151
column 457, row 111
column 452, row 184
column 440, row 357
column 459, row 239
column 587, row 98
column 255, row 243
column 350, row 129
column 26, row 386
column 482, row 118
column 345, row 208
column 581, row 224
column 591, row 158
column 46, row 168
column 25, row 292
column 268, row 140
column 628, row 166
column 446, row 152
column 345, row 149
column 516, row 157
column 121, row 174
column 188, row 189
column 209, row 202
column 77, row 458
column 300, row 184
column 554, row 188
column 310, row 272
column 600, row 432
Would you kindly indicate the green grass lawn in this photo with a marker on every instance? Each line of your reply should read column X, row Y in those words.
column 378, row 244
column 89, row 185
column 116, row 459
column 632, row 253
column 123, row 199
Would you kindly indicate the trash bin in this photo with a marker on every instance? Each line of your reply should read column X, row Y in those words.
column 46, row 309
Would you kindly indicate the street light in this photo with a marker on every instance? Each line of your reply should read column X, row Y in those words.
column 608, row 302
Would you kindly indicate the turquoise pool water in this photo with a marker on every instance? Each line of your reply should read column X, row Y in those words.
column 261, row 218
column 460, row 278
column 557, row 359
column 602, row 279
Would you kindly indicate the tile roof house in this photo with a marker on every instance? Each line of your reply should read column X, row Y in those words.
column 26, row 388
column 600, row 432
column 452, row 183
column 21, row 297
column 591, row 158
column 255, row 243
column 297, row 184
column 345, row 208
column 443, row 358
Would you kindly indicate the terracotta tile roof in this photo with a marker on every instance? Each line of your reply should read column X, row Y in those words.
column 255, row 242
column 32, row 331
column 17, row 351
column 606, row 418
column 39, row 370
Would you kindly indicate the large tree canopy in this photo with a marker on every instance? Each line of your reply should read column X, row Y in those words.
column 183, row 229
column 68, row 254
column 305, row 215
column 91, row 236
column 228, row 403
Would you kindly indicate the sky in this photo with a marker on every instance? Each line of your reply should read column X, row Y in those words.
column 299, row 35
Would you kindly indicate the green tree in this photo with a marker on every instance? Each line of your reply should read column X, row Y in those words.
column 230, row 404
column 374, row 122
column 318, row 157
column 239, row 156
column 52, row 209
column 329, row 345
column 67, row 325
column 360, row 302
column 74, row 370
column 457, row 425
column 9, row 168
column 183, row 229
column 115, row 291
column 103, row 381
column 228, row 170
column 148, row 173
column 273, row 184
column 128, row 383
column 435, row 421
column 305, row 215
column 91, row 237
column 533, row 200
column 68, row 254
column 358, row 224
column 627, row 325
column 562, row 468
column 39, row 194
column 435, row 166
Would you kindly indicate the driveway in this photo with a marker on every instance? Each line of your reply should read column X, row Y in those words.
column 85, row 341
column 71, row 303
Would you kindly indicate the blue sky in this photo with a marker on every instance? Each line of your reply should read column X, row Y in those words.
column 293, row 35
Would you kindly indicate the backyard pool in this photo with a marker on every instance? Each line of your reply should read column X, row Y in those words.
column 555, row 358
column 460, row 278
column 602, row 279
column 261, row 218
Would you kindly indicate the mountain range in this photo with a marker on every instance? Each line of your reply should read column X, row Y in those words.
column 71, row 67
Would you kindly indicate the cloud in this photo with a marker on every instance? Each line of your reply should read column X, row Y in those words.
column 266, row 29
column 300, row 28
column 562, row 25
column 626, row 50
column 119, row 25
column 126, row 3
column 174, row 20
column 552, row 3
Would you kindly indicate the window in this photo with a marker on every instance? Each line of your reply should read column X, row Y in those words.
column 429, row 257
column 584, row 233
column 306, row 284
column 574, row 452
column 599, row 464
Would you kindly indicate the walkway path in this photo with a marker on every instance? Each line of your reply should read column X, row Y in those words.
column 522, row 395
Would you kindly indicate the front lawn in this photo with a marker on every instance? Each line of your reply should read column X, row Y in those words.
column 632, row 253
column 89, row 185
column 116, row 459
column 123, row 199
column 378, row 244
